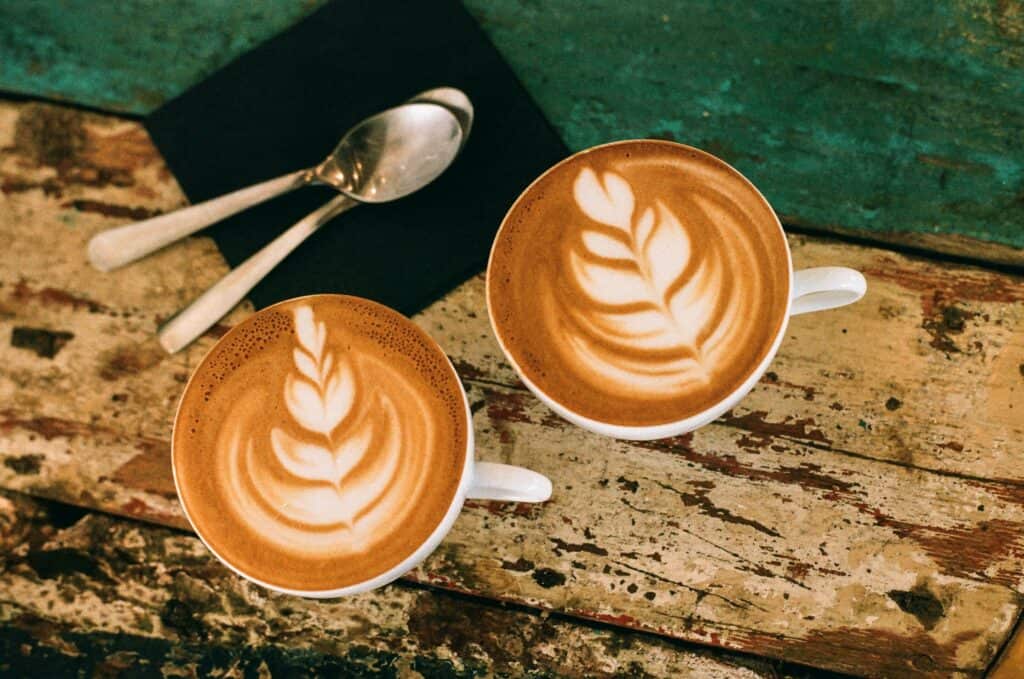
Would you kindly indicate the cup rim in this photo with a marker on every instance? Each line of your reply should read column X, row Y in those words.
column 418, row 555
column 671, row 427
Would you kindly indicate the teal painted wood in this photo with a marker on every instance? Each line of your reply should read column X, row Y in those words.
column 132, row 55
column 902, row 121
column 860, row 116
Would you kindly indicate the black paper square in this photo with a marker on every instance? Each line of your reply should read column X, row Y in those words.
column 284, row 105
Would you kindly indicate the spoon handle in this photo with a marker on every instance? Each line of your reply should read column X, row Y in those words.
column 212, row 305
column 123, row 244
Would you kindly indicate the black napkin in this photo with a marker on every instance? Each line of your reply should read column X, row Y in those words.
column 285, row 105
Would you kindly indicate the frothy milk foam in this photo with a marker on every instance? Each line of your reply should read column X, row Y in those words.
column 320, row 442
column 639, row 283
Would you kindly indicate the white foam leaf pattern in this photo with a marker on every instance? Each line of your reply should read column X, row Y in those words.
column 320, row 410
column 610, row 203
column 311, row 504
column 314, row 462
column 665, row 252
column 605, row 246
column 325, row 368
column 322, row 400
column 644, row 227
column 306, row 365
column 305, row 329
column 319, row 397
column 304, row 404
column 649, row 294
column 365, row 493
column 335, row 470
column 304, row 460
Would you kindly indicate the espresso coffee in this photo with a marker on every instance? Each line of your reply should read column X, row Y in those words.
column 320, row 442
column 639, row 283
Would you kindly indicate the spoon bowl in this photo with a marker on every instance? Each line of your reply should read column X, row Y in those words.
column 384, row 158
column 356, row 167
column 454, row 100
column 394, row 153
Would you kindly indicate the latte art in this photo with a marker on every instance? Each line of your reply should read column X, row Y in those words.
column 638, row 283
column 658, row 309
column 342, row 464
column 320, row 443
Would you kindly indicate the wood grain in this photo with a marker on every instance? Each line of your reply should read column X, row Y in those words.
column 98, row 596
column 1010, row 664
column 861, row 511
column 924, row 372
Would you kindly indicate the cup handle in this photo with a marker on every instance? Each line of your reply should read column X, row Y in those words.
column 494, row 481
column 826, row 287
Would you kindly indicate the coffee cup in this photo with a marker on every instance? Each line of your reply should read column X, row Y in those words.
column 641, row 288
column 324, row 447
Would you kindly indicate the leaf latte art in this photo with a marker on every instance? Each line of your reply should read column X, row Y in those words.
column 333, row 452
column 639, row 283
column 658, row 310
column 314, row 479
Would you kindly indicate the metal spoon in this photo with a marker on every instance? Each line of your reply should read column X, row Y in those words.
column 121, row 245
column 454, row 100
column 384, row 158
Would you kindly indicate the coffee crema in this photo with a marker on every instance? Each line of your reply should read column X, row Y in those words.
column 639, row 283
column 320, row 442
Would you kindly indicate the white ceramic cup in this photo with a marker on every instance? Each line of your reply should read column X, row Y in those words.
column 479, row 481
column 814, row 289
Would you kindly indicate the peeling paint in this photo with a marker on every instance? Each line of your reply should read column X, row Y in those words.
column 24, row 293
column 756, row 421
column 41, row 341
column 920, row 603
column 130, row 359
column 120, row 212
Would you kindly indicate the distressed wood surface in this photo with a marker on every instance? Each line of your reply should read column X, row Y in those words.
column 97, row 596
column 862, row 511
column 898, row 122
column 1010, row 664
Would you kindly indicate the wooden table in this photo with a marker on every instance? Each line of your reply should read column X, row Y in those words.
column 861, row 511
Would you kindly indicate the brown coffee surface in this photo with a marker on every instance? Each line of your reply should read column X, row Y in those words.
column 320, row 442
column 639, row 283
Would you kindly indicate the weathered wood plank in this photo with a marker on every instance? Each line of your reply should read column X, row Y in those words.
column 898, row 122
column 1010, row 664
column 924, row 372
column 774, row 531
column 791, row 550
column 103, row 596
column 79, row 173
